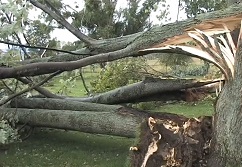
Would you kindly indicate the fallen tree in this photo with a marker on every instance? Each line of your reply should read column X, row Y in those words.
column 113, row 121
column 119, row 122
column 147, row 88
column 128, row 46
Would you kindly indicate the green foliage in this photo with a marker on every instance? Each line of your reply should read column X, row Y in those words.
column 38, row 34
column 193, row 8
column 136, row 17
column 102, row 19
column 185, row 71
column 8, row 134
column 12, row 14
column 73, row 46
column 65, row 84
column 119, row 73
column 175, row 61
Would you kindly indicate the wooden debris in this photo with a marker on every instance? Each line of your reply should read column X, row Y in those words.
column 170, row 143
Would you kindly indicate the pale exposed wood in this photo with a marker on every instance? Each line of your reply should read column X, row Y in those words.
column 210, row 27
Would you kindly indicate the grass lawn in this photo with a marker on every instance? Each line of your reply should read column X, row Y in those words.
column 72, row 88
column 57, row 148
column 189, row 110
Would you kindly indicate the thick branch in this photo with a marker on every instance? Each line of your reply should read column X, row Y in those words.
column 61, row 104
column 50, row 67
column 121, row 122
column 148, row 39
column 143, row 89
column 64, row 23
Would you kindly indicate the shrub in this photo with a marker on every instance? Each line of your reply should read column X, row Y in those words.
column 8, row 134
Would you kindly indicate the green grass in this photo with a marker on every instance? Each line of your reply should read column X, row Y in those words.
column 188, row 109
column 73, row 88
column 58, row 148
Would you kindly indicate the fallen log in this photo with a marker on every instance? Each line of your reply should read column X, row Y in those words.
column 143, row 89
column 61, row 104
column 120, row 122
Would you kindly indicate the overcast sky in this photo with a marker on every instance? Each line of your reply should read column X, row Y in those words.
column 65, row 35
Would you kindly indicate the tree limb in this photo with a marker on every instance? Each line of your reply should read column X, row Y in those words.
column 63, row 22
column 4, row 101
column 40, row 47
column 146, row 88
column 151, row 38
column 39, row 89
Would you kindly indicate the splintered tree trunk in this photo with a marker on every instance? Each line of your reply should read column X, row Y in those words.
column 227, row 141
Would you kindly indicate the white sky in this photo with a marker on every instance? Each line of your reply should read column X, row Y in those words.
column 66, row 36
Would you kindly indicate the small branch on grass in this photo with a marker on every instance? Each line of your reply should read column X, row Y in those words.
column 5, row 100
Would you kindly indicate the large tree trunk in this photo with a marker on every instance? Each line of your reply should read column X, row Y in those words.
column 119, row 122
column 227, row 143
column 146, row 89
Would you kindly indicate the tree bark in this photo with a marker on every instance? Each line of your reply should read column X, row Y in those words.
column 227, row 151
column 119, row 122
column 146, row 88
column 61, row 104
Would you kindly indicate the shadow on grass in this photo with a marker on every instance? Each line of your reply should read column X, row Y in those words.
column 57, row 148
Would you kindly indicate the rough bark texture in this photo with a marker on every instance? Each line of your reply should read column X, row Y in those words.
column 146, row 88
column 61, row 104
column 120, row 122
column 228, row 121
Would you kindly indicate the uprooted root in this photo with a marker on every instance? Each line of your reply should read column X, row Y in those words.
column 172, row 143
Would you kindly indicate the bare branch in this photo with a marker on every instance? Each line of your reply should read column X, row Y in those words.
column 39, row 89
column 4, row 101
column 9, row 89
column 84, row 83
column 40, row 47
column 50, row 67
column 63, row 22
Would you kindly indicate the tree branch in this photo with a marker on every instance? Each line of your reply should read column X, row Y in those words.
column 63, row 22
column 4, row 101
column 84, row 83
column 39, row 89
column 16, row 35
column 154, row 37
column 40, row 47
